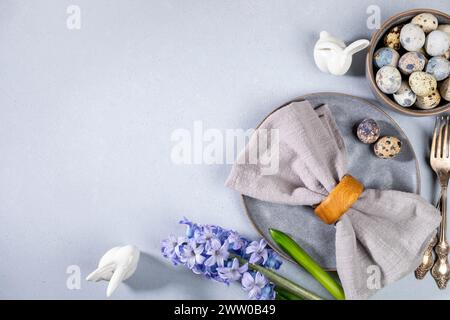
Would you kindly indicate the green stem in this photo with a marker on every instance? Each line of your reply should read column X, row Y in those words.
column 280, row 297
column 288, row 245
column 286, row 294
column 280, row 281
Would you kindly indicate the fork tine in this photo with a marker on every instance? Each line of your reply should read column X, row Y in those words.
column 438, row 146
column 433, row 140
column 445, row 138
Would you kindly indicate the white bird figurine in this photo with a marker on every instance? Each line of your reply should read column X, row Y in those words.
column 116, row 265
column 333, row 56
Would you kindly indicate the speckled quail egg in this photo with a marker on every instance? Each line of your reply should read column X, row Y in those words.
column 412, row 61
column 430, row 101
column 412, row 37
column 388, row 79
column 405, row 96
column 426, row 21
column 439, row 67
column 385, row 57
column 368, row 131
column 445, row 89
column 437, row 43
column 392, row 38
column 387, row 147
column 422, row 83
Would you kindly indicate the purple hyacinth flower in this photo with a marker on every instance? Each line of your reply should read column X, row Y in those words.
column 170, row 245
column 273, row 261
column 191, row 227
column 234, row 272
column 218, row 253
column 236, row 240
column 257, row 251
column 192, row 254
column 267, row 293
column 205, row 234
column 253, row 285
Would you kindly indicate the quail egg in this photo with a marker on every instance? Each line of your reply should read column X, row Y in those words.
column 412, row 37
column 437, row 43
column 430, row 101
column 422, row 83
column 445, row 89
column 412, row 61
column 385, row 57
column 368, row 131
column 388, row 79
column 387, row 147
column 439, row 67
column 392, row 38
column 405, row 96
column 426, row 21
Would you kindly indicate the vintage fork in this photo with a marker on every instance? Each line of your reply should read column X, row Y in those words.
column 427, row 258
column 440, row 162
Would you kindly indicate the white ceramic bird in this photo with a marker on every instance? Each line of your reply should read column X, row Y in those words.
column 333, row 56
column 116, row 265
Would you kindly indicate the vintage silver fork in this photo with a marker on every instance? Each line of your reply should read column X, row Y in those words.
column 440, row 162
column 427, row 258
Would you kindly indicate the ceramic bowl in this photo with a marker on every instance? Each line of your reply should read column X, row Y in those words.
column 377, row 42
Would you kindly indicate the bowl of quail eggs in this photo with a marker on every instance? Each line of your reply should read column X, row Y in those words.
column 408, row 62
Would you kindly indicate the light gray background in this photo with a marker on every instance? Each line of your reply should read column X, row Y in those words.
column 86, row 118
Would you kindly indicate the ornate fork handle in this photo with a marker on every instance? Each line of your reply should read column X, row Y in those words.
column 427, row 259
column 441, row 268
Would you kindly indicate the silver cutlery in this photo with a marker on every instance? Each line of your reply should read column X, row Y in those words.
column 440, row 162
column 427, row 259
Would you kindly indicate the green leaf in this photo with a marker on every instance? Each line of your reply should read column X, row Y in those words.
column 280, row 281
column 288, row 245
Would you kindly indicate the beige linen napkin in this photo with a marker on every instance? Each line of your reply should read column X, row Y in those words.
column 379, row 240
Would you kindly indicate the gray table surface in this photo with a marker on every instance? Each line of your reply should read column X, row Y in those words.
column 86, row 118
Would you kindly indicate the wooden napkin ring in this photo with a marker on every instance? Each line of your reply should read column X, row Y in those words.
column 339, row 200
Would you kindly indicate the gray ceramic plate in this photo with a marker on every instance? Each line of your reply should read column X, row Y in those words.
column 400, row 173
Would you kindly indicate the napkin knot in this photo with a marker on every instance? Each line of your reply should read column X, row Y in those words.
column 339, row 200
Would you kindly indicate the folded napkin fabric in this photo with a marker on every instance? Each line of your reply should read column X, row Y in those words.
column 379, row 239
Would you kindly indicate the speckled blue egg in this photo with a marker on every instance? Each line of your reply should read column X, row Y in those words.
column 388, row 79
column 385, row 57
column 437, row 43
column 439, row 67
column 412, row 37
column 411, row 61
column 405, row 96
column 368, row 131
